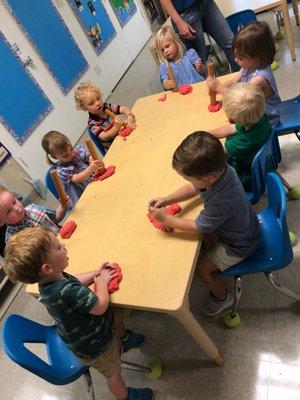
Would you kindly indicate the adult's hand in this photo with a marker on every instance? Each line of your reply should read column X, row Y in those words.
column 185, row 30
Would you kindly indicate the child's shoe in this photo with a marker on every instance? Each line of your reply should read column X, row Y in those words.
column 213, row 306
column 131, row 340
column 139, row 394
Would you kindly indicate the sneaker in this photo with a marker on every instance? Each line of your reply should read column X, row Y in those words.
column 213, row 307
column 131, row 340
column 139, row 394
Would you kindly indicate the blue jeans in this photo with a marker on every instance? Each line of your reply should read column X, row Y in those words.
column 205, row 16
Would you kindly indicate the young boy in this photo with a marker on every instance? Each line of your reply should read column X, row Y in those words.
column 244, row 105
column 230, row 227
column 83, row 318
column 88, row 98
column 17, row 217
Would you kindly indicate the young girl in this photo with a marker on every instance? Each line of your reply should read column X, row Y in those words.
column 88, row 98
column 254, row 50
column 186, row 65
column 74, row 166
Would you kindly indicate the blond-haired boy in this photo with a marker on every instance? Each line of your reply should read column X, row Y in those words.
column 244, row 105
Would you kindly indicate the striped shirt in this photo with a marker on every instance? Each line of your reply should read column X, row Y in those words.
column 99, row 124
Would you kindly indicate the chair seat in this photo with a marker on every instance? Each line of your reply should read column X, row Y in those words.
column 63, row 368
column 289, row 116
column 271, row 254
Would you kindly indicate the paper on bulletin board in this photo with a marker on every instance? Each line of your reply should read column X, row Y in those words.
column 124, row 10
column 95, row 22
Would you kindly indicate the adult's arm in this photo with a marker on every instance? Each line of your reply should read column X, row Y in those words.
column 185, row 30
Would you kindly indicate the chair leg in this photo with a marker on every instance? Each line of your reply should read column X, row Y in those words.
column 280, row 287
column 286, row 184
column 89, row 385
column 297, row 133
column 237, row 294
column 134, row 367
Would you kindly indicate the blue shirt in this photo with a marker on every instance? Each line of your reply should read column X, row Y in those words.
column 184, row 69
column 181, row 5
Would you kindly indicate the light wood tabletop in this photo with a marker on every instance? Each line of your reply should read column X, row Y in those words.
column 112, row 221
column 229, row 7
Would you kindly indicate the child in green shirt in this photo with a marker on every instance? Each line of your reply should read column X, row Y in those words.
column 244, row 105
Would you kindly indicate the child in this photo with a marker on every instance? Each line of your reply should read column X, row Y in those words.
column 75, row 166
column 244, row 105
column 16, row 217
column 186, row 65
column 230, row 226
column 88, row 98
column 254, row 50
column 83, row 318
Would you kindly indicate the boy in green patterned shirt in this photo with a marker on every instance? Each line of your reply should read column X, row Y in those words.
column 83, row 318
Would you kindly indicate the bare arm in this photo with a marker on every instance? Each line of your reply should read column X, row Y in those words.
column 181, row 224
column 87, row 278
column 94, row 165
column 101, row 290
column 185, row 29
column 234, row 80
column 186, row 192
column 224, row 131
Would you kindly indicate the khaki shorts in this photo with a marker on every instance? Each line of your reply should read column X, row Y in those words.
column 218, row 255
column 108, row 362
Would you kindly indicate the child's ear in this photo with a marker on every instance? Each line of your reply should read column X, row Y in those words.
column 45, row 270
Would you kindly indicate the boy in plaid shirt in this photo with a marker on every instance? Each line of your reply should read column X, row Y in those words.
column 17, row 217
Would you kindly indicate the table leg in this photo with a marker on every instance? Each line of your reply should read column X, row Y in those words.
column 288, row 28
column 187, row 319
column 296, row 10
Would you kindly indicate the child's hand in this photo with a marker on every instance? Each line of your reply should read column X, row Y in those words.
column 118, row 122
column 95, row 165
column 157, row 203
column 106, row 275
column 169, row 84
column 67, row 203
column 198, row 65
column 104, row 265
column 131, row 121
column 159, row 213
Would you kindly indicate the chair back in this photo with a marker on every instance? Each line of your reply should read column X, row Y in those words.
column 50, row 184
column 63, row 366
column 97, row 142
column 277, row 207
column 263, row 161
column 240, row 19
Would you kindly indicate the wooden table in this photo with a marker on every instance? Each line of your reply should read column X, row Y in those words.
column 229, row 7
column 158, row 268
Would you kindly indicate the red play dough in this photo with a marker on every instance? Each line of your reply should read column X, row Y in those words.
column 185, row 89
column 172, row 210
column 67, row 230
column 114, row 283
column 215, row 107
column 125, row 131
column 163, row 98
column 109, row 171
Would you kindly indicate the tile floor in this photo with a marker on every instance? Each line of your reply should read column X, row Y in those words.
column 262, row 357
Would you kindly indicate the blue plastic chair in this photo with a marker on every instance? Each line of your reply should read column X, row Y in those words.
column 289, row 117
column 63, row 367
column 97, row 142
column 49, row 183
column 274, row 252
column 238, row 20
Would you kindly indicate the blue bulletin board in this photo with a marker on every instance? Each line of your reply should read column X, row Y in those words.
column 124, row 10
column 23, row 104
column 95, row 22
column 44, row 27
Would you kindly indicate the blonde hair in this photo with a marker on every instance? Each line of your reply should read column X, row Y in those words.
column 167, row 32
column 55, row 142
column 81, row 91
column 25, row 253
column 244, row 103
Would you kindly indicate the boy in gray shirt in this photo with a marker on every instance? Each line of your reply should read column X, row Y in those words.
column 229, row 226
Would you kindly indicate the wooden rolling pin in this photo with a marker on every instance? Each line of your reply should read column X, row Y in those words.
column 211, row 74
column 171, row 75
column 59, row 187
column 113, row 115
column 94, row 154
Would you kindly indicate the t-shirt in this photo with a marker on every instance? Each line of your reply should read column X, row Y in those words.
column 227, row 213
column 181, row 5
column 99, row 124
column 35, row 215
column 69, row 302
column 243, row 146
